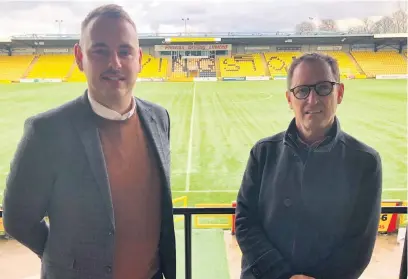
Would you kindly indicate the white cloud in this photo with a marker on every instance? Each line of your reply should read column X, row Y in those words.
column 22, row 17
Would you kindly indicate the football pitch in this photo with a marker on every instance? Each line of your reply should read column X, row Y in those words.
column 214, row 126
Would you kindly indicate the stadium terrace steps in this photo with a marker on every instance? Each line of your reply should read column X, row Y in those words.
column 241, row 65
column 169, row 67
column 355, row 63
column 32, row 63
column 76, row 75
column 71, row 70
column 12, row 68
column 51, row 66
column 153, row 67
column 381, row 62
column 346, row 65
column 217, row 67
column 265, row 65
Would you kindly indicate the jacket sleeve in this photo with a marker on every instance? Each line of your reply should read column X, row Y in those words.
column 263, row 259
column 353, row 254
column 168, row 125
column 27, row 191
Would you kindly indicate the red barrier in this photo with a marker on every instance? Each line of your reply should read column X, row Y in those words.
column 234, row 205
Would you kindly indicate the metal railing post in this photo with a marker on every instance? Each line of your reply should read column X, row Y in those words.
column 187, row 239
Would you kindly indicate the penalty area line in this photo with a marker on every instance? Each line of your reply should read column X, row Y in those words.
column 190, row 142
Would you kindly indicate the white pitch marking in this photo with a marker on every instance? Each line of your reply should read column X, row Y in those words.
column 254, row 100
column 206, row 191
column 190, row 142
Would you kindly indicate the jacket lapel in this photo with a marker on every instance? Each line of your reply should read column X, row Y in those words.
column 90, row 139
column 149, row 121
column 89, row 136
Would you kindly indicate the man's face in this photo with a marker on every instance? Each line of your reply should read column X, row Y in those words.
column 315, row 113
column 110, row 57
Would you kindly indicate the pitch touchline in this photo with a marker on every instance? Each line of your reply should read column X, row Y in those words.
column 236, row 191
column 190, row 142
column 206, row 191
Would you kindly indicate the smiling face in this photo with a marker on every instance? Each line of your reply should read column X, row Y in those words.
column 110, row 57
column 314, row 114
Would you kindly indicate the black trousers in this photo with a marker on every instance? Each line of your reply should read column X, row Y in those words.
column 158, row 275
column 403, row 268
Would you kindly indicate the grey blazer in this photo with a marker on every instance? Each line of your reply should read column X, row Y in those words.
column 59, row 171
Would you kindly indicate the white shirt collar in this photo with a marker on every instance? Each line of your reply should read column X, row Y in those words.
column 107, row 113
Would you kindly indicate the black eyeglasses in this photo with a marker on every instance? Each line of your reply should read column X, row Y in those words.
column 323, row 88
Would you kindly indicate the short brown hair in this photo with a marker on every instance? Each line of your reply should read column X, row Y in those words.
column 111, row 11
column 312, row 57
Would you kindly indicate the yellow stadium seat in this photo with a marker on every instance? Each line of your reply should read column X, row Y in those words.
column 178, row 68
column 76, row 75
column 347, row 66
column 279, row 62
column 193, row 67
column 12, row 68
column 242, row 65
column 52, row 66
column 381, row 62
column 153, row 67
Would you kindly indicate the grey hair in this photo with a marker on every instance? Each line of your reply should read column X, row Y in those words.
column 312, row 57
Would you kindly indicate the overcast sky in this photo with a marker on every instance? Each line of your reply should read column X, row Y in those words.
column 28, row 17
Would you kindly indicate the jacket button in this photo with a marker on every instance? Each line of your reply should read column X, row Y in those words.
column 255, row 271
column 287, row 202
column 108, row 269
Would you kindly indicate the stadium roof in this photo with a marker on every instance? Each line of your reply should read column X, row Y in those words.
column 200, row 34
column 237, row 38
column 5, row 40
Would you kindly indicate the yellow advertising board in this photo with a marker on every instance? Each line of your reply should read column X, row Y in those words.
column 388, row 222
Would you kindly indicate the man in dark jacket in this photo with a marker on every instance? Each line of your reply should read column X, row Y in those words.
column 310, row 198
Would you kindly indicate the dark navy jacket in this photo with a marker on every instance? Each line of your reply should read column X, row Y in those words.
column 309, row 211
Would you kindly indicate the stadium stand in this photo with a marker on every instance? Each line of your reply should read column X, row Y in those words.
column 204, row 66
column 51, row 66
column 278, row 62
column 381, row 62
column 193, row 67
column 241, row 65
column 356, row 64
column 153, row 67
column 348, row 66
column 179, row 68
column 207, row 67
column 75, row 75
column 14, row 67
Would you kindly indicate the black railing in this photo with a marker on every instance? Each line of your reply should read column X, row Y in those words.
column 189, row 211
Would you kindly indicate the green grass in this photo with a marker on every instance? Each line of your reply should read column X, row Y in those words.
column 209, row 257
column 229, row 117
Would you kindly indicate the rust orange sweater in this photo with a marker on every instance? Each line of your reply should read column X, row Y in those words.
column 135, row 186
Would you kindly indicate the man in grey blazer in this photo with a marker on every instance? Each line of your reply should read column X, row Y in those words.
column 99, row 168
